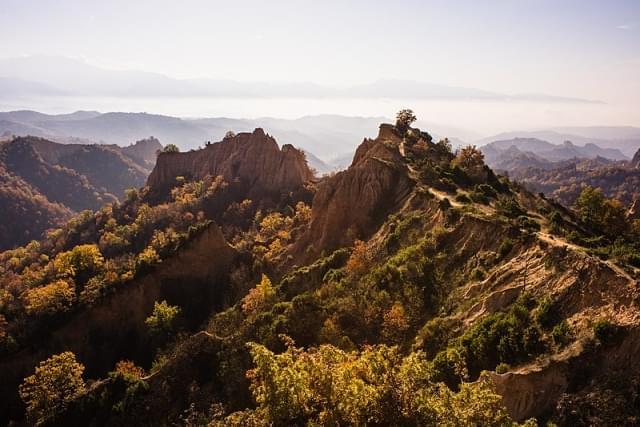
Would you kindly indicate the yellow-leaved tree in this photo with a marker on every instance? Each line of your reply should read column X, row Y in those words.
column 56, row 382
column 259, row 297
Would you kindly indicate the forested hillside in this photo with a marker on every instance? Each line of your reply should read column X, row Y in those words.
column 44, row 183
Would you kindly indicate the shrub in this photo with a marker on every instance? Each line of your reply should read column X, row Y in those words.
column 505, row 337
column 463, row 198
column 502, row 368
column 444, row 204
column 528, row 223
column 478, row 274
column 509, row 207
column 377, row 386
column 505, row 248
column 170, row 148
column 605, row 331
column 547, row 314
column 487, row 190
column 258, row 298
column 562, row 334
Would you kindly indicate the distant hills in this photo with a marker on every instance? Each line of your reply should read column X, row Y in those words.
column 565, row 180
column 324, row 137
column 522, row 152
column 52, row 75
column 42, row 183
column 562, row 170
column 624, row 138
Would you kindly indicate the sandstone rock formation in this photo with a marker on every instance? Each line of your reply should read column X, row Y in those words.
column 635, row 162
column 251, row 160
column 354, row 202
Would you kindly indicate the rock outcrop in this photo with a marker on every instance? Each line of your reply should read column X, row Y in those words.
column 635, row 162
column 354, row 202
column 250, row 160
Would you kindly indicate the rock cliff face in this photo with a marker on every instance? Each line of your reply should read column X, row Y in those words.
column 251, row 160
column 635, row 162
column 354, row 202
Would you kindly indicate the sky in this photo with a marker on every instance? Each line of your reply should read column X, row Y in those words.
column 574, row 48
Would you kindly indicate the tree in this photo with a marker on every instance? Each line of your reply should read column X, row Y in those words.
column 471, row 160
column 614, row 218
column 56, row 382
column 163, row 321
column 404, row 119
column 259, row 297
column 81, row 263
column 395, row 323
column 360, row 260
column 170, row 148
column 50, row 299
column 589, row 205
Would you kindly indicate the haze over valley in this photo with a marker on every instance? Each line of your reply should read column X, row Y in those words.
column 337, row 213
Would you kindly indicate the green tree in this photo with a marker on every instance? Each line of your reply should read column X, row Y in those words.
column 590, row 206
column 56, row 382
column 471, row 160
column 614, row 218
column 163, row 321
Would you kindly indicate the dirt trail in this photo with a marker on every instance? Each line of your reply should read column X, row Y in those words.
column 559, row 242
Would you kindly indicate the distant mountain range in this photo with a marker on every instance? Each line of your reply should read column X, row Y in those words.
column 506, row 155
column 624, row 138
column 52, row 75
column 562, row 170
column 325, row 138
column 328, row 140
column 565, row 180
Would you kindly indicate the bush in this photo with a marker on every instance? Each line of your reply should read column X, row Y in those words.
column 505, row 337
column 605, row 331
column 509, row 207
column 463, row 198
column 505, row 248
column 170, row 148
column 377, row 386
column 478, row 274
column 502, row 368
column 562, row 334
column 487, row 190
column 528, row 223
column 479, row 197
column 547, row 314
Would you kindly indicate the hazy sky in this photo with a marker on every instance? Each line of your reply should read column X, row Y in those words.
column 582, row 48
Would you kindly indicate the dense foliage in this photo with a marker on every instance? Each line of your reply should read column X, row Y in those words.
column 379, row 386
column 92, row 255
